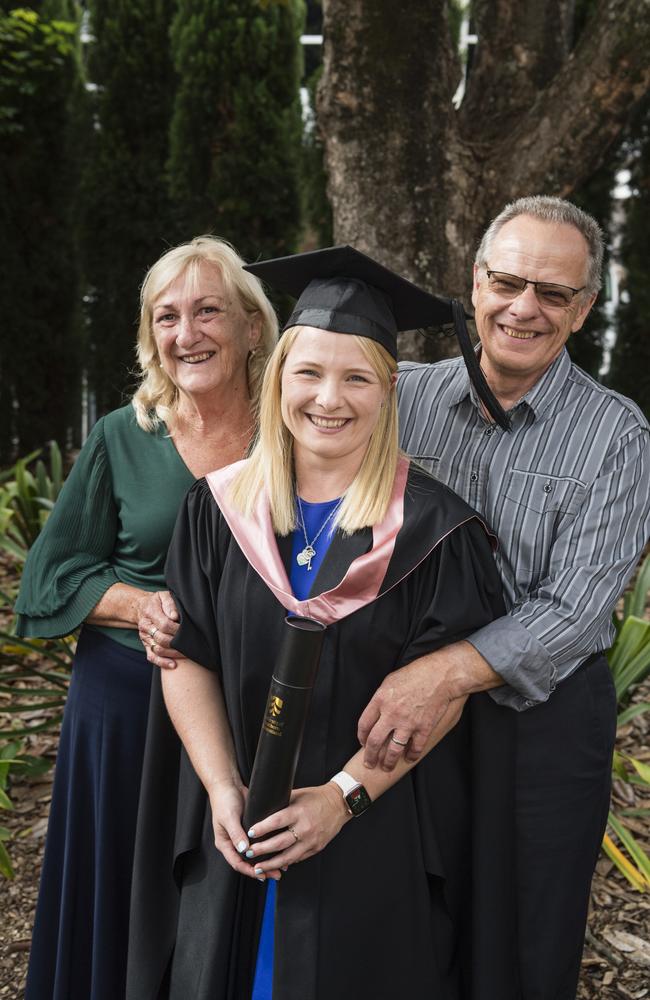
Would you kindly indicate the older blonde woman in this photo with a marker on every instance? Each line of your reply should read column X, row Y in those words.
column 380, row 896
column 206, row 329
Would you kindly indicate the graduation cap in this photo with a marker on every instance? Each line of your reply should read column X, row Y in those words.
column 342, row 290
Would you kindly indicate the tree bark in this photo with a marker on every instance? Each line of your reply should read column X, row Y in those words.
column 414, row 182
column 385, row 111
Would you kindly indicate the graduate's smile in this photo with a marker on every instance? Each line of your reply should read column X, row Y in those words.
column 327, row 423
column 331, row 397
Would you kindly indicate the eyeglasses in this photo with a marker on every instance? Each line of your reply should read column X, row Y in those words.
column 509, row 286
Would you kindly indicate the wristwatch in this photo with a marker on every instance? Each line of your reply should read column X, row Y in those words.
column 356, row 797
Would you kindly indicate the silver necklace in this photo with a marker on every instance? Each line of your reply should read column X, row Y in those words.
column 306, row 555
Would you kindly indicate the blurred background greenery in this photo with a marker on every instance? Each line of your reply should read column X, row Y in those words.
column 127, row 127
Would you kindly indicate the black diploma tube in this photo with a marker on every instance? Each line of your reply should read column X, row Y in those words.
column 287, row 706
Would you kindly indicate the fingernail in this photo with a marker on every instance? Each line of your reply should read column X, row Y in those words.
column 285, row 868
column 241, row 846
column 259, row 871
column 250, row 853
column 276, row 878
column 261, row 880
column 251, row 832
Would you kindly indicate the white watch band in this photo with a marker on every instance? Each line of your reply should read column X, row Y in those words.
column 345, row 782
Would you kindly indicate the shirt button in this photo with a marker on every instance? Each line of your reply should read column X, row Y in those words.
column 474, row 477
column 488, row 430
column 547, row 487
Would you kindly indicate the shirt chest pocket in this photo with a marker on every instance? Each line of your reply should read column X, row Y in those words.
column 544, row 494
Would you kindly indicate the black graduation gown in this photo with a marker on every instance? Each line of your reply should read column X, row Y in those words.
column 415, row 898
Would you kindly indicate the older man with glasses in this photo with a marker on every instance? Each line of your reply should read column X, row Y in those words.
column 565, row 483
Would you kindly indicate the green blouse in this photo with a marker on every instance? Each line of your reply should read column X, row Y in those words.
column 112, row 523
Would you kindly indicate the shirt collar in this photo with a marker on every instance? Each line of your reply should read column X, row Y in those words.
column 536, row 399
column 542, row 394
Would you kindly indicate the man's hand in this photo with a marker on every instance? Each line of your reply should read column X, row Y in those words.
column 402, row 716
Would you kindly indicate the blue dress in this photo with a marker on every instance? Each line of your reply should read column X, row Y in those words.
column 315, row 515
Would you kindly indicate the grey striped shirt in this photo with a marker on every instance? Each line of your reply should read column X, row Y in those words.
column 567, row 491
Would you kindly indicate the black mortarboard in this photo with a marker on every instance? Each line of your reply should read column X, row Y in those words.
column 342, row 290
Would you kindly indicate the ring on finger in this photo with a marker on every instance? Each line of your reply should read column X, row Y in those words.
column 400, row 743
column 293, row 832
column 152, row 632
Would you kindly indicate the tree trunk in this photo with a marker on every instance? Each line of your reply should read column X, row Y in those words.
column 414, row 182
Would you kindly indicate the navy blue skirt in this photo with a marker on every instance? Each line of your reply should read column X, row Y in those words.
column 79, row 943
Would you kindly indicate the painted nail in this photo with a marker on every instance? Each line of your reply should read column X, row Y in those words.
column 241, row 846
column 250, row 853
column 259, row 871
column 251, row 832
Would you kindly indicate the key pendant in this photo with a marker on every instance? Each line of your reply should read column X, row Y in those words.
column 305, row 557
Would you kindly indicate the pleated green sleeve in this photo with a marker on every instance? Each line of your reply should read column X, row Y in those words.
column 68, row 568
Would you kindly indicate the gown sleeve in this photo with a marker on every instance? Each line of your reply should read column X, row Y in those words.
column 193, row 575
column 457, row 590
column 68, row 568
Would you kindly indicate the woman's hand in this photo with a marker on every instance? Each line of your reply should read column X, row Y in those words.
column 313, row 817
column 227, row 802
column 157, row 626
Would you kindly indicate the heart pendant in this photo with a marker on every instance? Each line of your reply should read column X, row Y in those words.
column 305, row 557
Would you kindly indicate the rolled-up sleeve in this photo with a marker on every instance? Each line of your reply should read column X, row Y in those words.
column 549, row 633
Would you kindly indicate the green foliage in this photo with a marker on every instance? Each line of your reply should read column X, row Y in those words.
column 24, row 676
column 455, row 10
column 14, row 760
column 127, row 223
column 33, row 53
column 235, row 145
column 39, row 350
column 26, row 499
column 34, row 673
column 630, row 368
column 317, row 209
column 629, row 659
column 595, row 197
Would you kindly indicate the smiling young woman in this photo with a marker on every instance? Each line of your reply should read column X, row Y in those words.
column 325, row 519
column 361, row 455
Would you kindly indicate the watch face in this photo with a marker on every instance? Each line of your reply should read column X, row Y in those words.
column 358, row 800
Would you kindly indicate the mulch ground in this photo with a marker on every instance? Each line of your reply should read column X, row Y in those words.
column 616, row 962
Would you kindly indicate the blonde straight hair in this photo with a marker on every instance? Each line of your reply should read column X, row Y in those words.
column 270, row 465
column 157, row 397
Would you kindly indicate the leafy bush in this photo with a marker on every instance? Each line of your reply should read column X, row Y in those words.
column 26, row 499
column 629, row 659
column 34, row 673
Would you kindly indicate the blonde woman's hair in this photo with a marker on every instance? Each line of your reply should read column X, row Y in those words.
column 270, row 465
column 157, row 397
